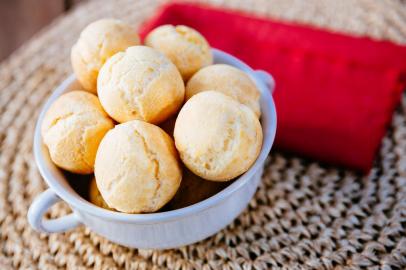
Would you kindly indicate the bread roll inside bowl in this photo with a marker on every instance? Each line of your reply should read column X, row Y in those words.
column 137, row 168
column 166, row 229
column 95, row 196
column 140, row 84
column 217, row 137
column 184, row 46
column 72, row 130
column 98, row 42
column 228, row 80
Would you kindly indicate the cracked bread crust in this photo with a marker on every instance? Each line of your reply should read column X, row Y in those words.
column 137, row 168
column 97, row 42
column 140, row 84
column 72, row 130
column 228, row 80
column 217, row 138
column 184, row 46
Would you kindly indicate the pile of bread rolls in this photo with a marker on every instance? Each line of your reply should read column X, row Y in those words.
column 210, row 114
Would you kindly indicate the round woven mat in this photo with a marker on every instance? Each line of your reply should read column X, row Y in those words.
column 304, row 215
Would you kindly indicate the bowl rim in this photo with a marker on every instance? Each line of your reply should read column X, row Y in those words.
column 53, row 176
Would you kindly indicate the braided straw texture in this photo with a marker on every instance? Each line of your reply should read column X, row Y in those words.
column 304, row 215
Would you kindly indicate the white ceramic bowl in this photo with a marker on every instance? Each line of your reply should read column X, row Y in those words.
column 157, row 230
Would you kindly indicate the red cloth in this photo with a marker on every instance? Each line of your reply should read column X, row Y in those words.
column 335, row 94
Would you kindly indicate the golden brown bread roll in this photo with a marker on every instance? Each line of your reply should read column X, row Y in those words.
column 184, row 46
column 140, row 83
column 97, row 42
column 137, row 168
column 72, row 129
column 95, row 197
column 217, row 137
column 228, row 80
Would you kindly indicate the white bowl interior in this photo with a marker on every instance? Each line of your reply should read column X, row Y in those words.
column 57, row 180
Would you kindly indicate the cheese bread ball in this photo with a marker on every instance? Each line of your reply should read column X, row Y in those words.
column 72, row 129
column 137, row 169
column 95, row 197
column 217, row 137
column 99, row 41
column 140, row 84
column 228, row 80
column 184, row 46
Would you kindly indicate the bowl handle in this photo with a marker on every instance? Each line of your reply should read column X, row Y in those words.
column 38, row 208
column 266, row 78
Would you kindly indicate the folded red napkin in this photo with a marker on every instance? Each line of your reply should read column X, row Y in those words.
column 335, row 94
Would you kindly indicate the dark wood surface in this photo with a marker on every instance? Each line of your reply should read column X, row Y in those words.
column 21, row 19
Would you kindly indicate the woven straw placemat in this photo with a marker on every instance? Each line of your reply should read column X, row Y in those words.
column 304, row 215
